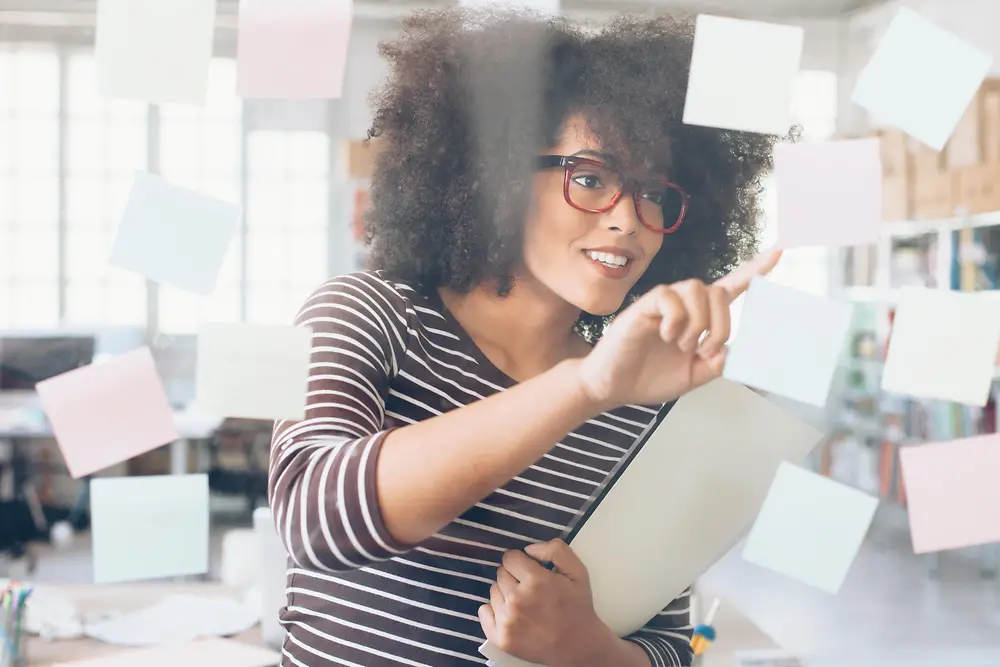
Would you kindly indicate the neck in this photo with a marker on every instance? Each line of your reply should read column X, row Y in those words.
column 524, row 333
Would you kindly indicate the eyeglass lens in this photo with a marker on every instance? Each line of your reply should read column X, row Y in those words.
column 594, row 187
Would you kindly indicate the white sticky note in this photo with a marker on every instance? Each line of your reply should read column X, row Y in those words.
column 293, row 49
column 810, row 528
column 156, row 51
column 789, row 342
column 742, row 75
column 149, row 527
column 253, row 371
column 943, row 345
column 921, row 78
column 173, row 235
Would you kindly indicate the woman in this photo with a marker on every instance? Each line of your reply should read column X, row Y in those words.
column 536, row 179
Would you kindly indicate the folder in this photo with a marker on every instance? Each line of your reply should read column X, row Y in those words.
column 686, row 493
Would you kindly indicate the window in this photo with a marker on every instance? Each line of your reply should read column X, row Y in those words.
column 29, row 186
column 201, row 149
column 287, row 222
column 106, row 143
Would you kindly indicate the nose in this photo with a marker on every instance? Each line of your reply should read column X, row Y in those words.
column 622, row 217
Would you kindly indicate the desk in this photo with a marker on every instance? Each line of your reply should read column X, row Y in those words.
column 91, row 600
column 736, row 632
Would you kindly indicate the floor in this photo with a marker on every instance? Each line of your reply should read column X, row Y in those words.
column 890, row 601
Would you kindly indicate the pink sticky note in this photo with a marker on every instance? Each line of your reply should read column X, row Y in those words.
column 829, row 193
column 952, row 492
column 293, row 49
column 107, row 413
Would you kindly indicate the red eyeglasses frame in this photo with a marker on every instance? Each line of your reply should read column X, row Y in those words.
column 570, row 163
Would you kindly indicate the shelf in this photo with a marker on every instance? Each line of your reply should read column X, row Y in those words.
column 911, row 228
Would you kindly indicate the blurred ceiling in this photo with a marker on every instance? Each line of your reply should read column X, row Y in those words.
column 80, row 12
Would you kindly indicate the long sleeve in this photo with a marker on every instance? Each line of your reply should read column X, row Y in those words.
column 666, row 639
column 321, row 482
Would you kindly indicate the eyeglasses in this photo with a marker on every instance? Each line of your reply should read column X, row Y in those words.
column 592, row 186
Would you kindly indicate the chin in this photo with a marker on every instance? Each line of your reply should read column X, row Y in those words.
column 601, row 306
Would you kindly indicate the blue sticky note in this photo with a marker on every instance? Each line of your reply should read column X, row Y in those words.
column 810, row 528
column 788, row 342
column 149, row 527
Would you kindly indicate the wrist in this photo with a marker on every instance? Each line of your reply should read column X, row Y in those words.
column 593, row 646
column 592, row 401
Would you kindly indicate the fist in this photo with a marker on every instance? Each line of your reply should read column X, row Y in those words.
column 541, row 615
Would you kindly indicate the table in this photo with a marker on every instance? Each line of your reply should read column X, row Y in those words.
column 91, row 600
column 735, row 631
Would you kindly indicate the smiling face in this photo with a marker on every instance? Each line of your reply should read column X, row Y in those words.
column 590, row 260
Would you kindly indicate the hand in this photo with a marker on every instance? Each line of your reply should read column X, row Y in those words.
column 538, row 615
column 651, row 352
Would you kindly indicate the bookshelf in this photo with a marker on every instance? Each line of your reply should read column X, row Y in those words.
column 868, row 426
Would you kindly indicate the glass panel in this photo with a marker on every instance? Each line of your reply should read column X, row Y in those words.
column 37, row 255
column 266, row 258
column 36, row 202
column 87, row 253
column 35, row 145
column 34, row 305
column 36, row 81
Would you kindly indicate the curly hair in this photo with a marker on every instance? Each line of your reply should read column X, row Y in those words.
column 473, row 96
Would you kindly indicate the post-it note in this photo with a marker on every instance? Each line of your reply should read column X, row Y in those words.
column 943, row 345
column 950, row 490
column 174, row 235
column 253, row 371
column 293, row 49
column 139, row 53
column 742, row 74
column 107, row 413
column 149, row 527
column 200, row 653
column 810, row 528
column 789, row 342
column 828, row 193
column 921, row 78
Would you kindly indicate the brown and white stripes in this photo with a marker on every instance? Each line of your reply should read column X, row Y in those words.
column 386, row 355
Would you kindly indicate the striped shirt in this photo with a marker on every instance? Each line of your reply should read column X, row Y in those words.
column 386, row 355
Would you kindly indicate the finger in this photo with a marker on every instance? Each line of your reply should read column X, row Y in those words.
column 719, row 323
column 506, row 582
column 562, row 556
column 706, row 369
column 673, row 315
column 497, row 598
column 694, row 295
column 737, row 282
column 520, row 566
column 488, row 620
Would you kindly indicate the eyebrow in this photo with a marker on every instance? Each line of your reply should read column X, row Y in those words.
column 607, row 157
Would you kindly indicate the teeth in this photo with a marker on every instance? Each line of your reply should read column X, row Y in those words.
column 608, row 259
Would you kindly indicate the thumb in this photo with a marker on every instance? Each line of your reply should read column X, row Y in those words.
column 706, row 369
column 561, row 556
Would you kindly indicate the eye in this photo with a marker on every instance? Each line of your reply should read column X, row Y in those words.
column 658, row 197
column 587, row 180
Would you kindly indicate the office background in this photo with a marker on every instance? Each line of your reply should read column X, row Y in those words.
column 66, row 163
